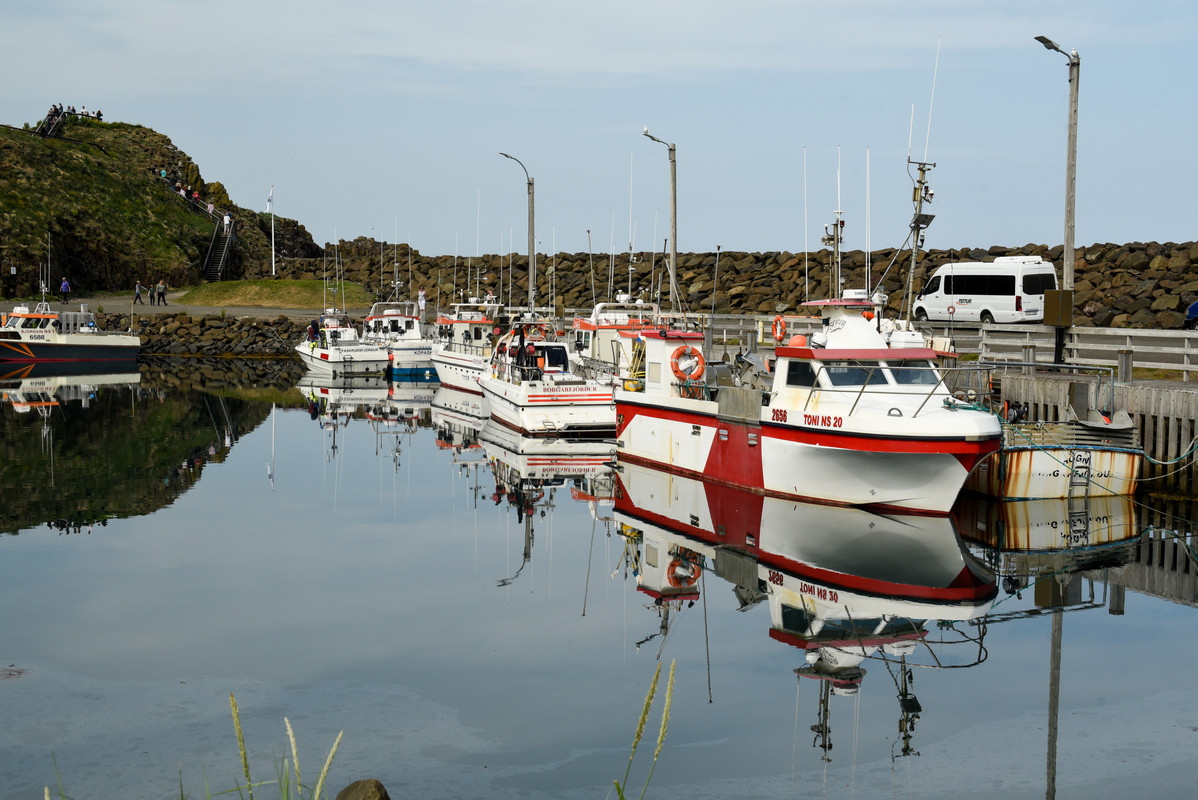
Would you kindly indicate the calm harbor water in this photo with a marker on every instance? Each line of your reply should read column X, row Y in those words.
column 174, row 537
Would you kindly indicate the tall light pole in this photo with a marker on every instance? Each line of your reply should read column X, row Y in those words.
column 532, row 263
column 673, row 218
column 1075, row 63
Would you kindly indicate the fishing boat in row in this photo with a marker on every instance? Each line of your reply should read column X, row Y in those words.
column 461, row 350
column 853, row 417
column 598, row 348
column 46, row 336
column 530, row 388
column 333, row 346
column 395, row 325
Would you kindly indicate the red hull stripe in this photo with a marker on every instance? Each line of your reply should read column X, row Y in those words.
column 965, row 587
column 819, row 437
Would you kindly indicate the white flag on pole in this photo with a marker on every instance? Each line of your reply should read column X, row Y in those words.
column 270, row 199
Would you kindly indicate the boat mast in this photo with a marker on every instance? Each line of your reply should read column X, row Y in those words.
column 921, row 194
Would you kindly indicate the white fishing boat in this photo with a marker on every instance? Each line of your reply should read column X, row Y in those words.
column 395, row 325
column 462, row 349
column 854, row 417
column 333, row 347
column 530, row 388
column 45, row 336
column 597, row 348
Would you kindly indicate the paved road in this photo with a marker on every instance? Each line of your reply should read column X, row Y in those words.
column 120, row 305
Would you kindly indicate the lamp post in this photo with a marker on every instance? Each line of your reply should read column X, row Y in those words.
column 1075, row 63
column 1064, row 300
column 532, row 264
column 673, row 218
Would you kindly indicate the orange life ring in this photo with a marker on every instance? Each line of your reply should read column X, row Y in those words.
column 686, row 351
column 779, row 328
column 952, row 309
column 683, row 574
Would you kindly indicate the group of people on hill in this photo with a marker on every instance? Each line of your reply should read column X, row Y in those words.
column 193, row 196
column 57, row 111
column 156, row 293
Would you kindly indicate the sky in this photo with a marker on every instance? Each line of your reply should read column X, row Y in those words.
column 387, row 119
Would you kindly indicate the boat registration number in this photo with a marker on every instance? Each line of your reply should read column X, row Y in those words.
column 818, row 592
column 36, row 337
column 823, row 420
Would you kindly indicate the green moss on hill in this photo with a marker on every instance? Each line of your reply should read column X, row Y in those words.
column 95, row 193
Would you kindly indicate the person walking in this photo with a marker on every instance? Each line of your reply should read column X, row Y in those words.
column 64, row 289
column 161, row 292
column 137, row 290
column 227, row 222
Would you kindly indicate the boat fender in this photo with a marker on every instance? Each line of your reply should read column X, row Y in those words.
column 798, row 340
column 687, row 351
column 779, row 328
column 682, row 573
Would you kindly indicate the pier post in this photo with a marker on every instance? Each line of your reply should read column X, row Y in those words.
column 1029, row 357
column 1123, row 366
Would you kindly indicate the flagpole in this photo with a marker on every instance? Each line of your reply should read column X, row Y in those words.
column 271, row 205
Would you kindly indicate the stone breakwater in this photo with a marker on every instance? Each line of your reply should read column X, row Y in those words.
column 210, row 335
column 1136, row 285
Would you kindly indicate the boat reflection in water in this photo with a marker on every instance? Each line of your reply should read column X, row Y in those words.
column 843, row 585
column 529, row 471
column 1064, row 551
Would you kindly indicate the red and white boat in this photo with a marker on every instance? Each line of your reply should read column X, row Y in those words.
column 530, row 388
column 858, row 416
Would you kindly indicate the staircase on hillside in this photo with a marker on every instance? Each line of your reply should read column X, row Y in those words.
column 218, row 252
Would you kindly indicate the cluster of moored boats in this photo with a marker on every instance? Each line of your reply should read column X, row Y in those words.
column 863, row 412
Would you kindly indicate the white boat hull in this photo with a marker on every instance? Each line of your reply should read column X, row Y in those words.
column 814, row 464
column 548, row 408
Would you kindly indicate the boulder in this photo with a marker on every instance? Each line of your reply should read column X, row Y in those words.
column 369, row 789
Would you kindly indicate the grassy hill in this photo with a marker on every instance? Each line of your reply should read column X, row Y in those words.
column 92, row 202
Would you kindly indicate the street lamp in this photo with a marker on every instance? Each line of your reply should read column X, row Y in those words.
column 673, row 218
column 1075, row 63
column 532, row 264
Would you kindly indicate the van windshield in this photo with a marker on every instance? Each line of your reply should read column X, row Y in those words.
column 932, row 286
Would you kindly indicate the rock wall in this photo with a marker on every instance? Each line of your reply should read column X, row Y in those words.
column 1116, row 285
column 210, row 335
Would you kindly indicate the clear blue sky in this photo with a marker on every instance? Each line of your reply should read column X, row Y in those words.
column 372, row 118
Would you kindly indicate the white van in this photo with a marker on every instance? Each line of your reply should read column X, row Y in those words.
column 1008, row 289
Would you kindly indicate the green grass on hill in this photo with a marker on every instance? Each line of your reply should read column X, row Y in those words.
column 275, row 294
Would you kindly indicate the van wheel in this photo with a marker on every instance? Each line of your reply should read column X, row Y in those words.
column 921, row 315
column 986, row 318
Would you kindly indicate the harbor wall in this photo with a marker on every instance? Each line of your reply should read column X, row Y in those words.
column 1140, row 285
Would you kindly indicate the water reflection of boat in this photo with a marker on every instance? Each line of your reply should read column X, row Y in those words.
column 46, row 392
column 1048, row 525
column 458, row 417
column 530, row 471
column 843, row 585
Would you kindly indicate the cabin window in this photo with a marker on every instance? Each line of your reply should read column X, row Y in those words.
column 650, row 555
column 854, row 373
column 654, row 373
column 44, row 323
column 478, row 334
column 555, row 357
column 914, row 373
column 800, row 373
column 1036, row 283
column 795, row 619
